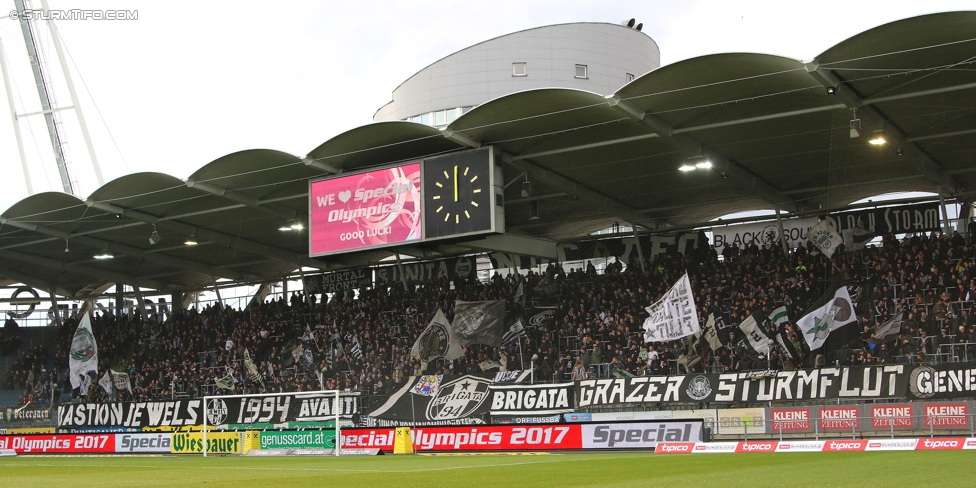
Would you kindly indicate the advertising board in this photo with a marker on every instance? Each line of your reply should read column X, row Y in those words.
column 620, row 435
column 365, row 210
column 217, row 443
column 59, row 444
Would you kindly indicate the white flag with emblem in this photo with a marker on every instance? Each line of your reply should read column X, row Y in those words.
column 818, row 324
column 824, row 235
column 673, row 316
column 83, row 355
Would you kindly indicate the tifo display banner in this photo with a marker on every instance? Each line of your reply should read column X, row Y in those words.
column 900, row 219
column 217, row 443
column 175, row 413
column 848, row 382
column 954, row 380
column 310, row 439
column 459, row 400
column 59, row 444
column 621, row 435
column 294, row 407
column 143, row 443
column 531, row 399
column 375, row 208
column 763, row 234
column 338, row 281
column 450, row 269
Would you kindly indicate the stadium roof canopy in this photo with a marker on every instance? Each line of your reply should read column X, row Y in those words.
column 774, row 135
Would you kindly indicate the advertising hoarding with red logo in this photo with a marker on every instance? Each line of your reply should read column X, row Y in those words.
column 756, row 446
column 365, row 210
column 946, row 415
column 674, row 448
column 800, row 446
column 838, row 418
column 790, row 419
column 940, row 444
column 891, row 416
column 891, row 445
column 59, row 444
column 845, row 445
column 617, row 435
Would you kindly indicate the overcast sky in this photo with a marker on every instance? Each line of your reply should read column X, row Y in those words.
column 182, row 86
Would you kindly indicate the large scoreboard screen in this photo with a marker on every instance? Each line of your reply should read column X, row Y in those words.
column 376, row 208
column 444, row 197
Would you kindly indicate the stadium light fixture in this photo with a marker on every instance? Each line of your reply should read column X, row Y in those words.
column 855, row 126
column 104, row 254
column 686, row 167
column 878, row 139
column 154, row 237
column 191, row 241
column 66, row 249
column 297, row 225
column 705, row 164
column 534, row 210
column 831, row 91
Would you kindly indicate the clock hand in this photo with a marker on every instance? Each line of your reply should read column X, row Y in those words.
column 455, row 184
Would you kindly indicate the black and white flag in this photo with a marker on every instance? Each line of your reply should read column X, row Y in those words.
column 106, row 383
column 356, row 350
column 252, row 370
column 479, row 322
column 520, row 293
column 673, row 316
column 515, row 332
column 438, row 340
column 888, row 330
column 824, row 235
column 308, row 335
column 711, row 333
column 756, row 338
column 121, row 381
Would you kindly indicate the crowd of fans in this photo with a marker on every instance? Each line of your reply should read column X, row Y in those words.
column 584, row 324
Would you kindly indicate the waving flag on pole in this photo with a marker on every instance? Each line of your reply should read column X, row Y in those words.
column 673, row 316
column 819, row 323
column 83, row 355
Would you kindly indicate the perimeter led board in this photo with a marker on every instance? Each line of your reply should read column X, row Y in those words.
column 365, row 210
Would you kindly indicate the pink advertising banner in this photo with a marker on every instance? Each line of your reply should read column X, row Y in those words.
column 375, row 208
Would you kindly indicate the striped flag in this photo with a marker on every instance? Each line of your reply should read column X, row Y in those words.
column 515, row 332
column 356, row 350
column 779, row 316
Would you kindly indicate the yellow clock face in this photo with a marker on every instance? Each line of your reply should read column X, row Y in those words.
column 457, row 195
column 456, row 199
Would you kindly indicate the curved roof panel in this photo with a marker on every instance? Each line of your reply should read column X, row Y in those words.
column 381, row 143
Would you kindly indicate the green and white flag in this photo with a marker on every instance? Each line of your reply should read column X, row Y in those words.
column 83, row 355
column 779, row 316
column 227, row 382
column 819, row 323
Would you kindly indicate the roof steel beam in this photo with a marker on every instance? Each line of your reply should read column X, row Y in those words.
column 101, row 274
column 924, row 163
column 720, row 163
column 243, row 199
column 155, row 258
column 564, row 184
column 320, row 165
column 220, row 238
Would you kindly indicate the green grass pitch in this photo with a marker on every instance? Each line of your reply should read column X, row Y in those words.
column 619, row 469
